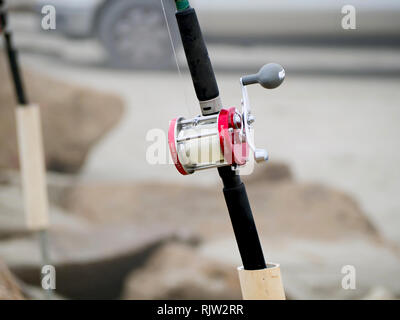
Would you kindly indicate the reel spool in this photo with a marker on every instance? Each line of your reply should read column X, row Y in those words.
column 222, row 139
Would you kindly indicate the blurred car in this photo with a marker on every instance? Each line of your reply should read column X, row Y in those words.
column 134, row 32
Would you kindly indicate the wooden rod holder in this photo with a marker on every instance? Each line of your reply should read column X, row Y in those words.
column 264, row 284
column 32, row 163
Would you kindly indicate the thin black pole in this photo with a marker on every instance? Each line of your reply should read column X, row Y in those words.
column 12, row 56
column 206, row 88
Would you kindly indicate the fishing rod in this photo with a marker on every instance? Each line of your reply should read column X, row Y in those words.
column 222, row 138
column 30, row 144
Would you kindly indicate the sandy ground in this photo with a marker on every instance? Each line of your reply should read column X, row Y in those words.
column 340, row 130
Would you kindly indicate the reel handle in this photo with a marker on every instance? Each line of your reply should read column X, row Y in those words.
column 270, row 76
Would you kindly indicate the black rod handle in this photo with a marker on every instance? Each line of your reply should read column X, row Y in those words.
column 242, row 219
column 199, row 62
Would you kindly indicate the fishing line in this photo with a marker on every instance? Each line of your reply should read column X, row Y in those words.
column 174, row 50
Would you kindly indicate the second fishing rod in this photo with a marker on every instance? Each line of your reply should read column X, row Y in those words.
column 30, row 145
column 232, row 137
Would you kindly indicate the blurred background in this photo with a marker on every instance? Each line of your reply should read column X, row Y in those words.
column 124, row 228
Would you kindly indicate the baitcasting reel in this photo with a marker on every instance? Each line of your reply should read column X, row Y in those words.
column 224, row 138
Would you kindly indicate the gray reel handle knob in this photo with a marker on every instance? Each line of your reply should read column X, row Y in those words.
column 270, row 76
